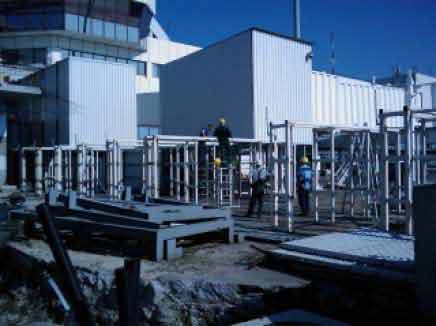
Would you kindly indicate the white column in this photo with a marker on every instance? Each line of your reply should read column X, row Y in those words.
column 23, row 167
column 38, row 172
column 289, row 174
column 332, row 176
column 186, row 171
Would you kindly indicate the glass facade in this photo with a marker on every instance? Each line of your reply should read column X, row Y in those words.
column 36, row 21
column 24, row 56
column 101, row 28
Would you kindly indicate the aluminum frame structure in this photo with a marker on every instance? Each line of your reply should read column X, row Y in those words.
column 410, row 157
column 353, row 172
column 193, row 176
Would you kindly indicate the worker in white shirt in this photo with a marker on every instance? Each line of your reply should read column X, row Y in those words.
column 259, row 177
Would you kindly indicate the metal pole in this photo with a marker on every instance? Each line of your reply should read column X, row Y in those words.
column 178, row 179
column 398, row 172
column 109, row 169
column 38, row 172
column 384, row 222
column 23, row 177
column 407, row 170
column 315, row 179
column 156, row 166
column 144, row 167
column 423, row 153
column 332, row 176
column 171, row 172
column 196, row 162
column 186, row 171
column 297, row 25
column 289, row 172
column 352, row 197
column 276, row 184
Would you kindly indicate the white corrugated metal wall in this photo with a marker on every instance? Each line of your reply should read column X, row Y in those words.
column 338, row 100
column 207, row 85
column 102, row 97
column 282, row 84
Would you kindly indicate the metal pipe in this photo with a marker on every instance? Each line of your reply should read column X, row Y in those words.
column 297, row 19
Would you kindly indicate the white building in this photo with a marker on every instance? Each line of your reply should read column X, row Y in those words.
column 257, row 77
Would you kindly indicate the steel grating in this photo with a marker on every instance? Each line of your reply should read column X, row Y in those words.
column 363, row 246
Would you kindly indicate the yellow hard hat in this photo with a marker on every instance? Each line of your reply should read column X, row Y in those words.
column 222, row 121
column 217, row 162
column 304, row 160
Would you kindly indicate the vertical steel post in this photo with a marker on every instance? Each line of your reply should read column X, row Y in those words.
column 353, row 161
column 58, row 168
column 144, row 166
column 408, row 184
column 398, row 172
column 276, row 184
column 332, row 176
column 196, row 162
column 109, row 169
column 171, row 158
column 23, row 170
column 384, row 222
column 156, row 180
column 38, row 172
column 186, row 172
column 315, row 180
column 289, row 174
column 178, row 181
column 423, row 159
column 368, row 165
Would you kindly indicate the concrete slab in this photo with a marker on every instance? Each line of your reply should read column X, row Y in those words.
column 294, row 318
column 364, row 246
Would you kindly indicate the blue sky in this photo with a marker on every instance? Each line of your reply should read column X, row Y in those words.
column 372, row 36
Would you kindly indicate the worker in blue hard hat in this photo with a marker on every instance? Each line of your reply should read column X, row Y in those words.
column 304, row 184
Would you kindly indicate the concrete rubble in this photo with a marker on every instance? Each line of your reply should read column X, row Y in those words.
column 213, row 285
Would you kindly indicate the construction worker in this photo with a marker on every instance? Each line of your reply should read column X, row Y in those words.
column 304, row 184
column 259, row 178
column 223, row 134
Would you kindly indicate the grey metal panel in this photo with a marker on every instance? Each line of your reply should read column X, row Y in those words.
column 148, row 109
column 282, row 84
column 102, row 101
column 207, row 85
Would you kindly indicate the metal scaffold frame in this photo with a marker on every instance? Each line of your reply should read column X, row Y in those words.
column 189, row 163
column 409, row 154
column 353, row 160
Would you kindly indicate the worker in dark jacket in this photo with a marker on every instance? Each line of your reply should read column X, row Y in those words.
column 259, row 177
column 223, row 135
column 304, row 179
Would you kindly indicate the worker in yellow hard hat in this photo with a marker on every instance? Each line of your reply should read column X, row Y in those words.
column 223, row 135
column 304, row 184
column 217, row 162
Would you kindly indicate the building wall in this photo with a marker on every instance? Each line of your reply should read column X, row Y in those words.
column 338, row 100
column 204, row 86
column 103, row 101
column 83, row 101
column 282, row 84
column 159, row 52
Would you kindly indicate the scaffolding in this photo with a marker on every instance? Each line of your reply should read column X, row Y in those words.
column 351, row 157
column 193, row 176
column 404, row 151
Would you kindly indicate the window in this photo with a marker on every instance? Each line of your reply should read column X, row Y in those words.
column 55, row 21
column 133, row 34
column 71, row 23
column 109, row 30
column 155, row 70
column 141, row 68
column 121, row 32
column 99, row 57
column 122, row 60
column 97, row 27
